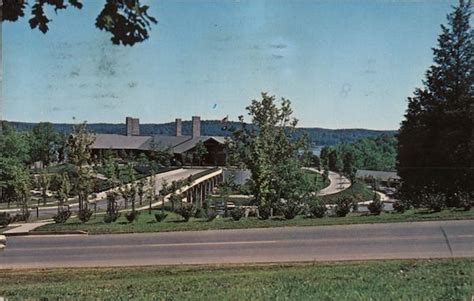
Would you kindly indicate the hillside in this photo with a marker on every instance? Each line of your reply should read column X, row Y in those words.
column 316, row 136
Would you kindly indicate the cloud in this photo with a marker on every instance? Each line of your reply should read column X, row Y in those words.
column 132, row 84
column 277, row 56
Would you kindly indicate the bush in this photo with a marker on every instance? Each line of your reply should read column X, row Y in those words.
column 289, row 209
column 376, row 206
column 434, row 201
column 211, row 215
column 186, row 210
column 200, row 213
column 264, row 212
column 161, row 216
column 111, row 217
column 465, row 201
column 84, row 215
column 62, row 216
column 237, row 213
column 317, row 209
column 5, row 219
column 132, row 215
column 343, row 207
column 400, row 206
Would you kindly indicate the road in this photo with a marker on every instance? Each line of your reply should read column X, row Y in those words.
column 441, row 239
column 47, row 212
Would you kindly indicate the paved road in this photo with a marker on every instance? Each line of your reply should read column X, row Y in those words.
column 348, row 242
column 47, row 212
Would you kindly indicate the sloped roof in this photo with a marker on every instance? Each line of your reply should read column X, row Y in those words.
column 191, row 143
column 179, row 144
column 115, row 141
column 169, row 141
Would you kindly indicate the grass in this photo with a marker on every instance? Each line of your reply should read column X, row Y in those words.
column 147, row 223
column 447, row 279
column 358, row 190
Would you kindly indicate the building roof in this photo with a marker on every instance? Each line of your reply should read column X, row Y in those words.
column 115, row 141
column 179, row 144
column 191, row 143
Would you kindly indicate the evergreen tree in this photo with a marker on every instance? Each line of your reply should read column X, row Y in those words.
column 435, row 150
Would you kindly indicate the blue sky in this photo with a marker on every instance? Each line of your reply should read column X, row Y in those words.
column 343, row 64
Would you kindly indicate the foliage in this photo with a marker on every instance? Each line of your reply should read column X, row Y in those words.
column 84, row 214
column 264, row 212
column 237, row 213
column 400, row 206
column 343, row 207
column 200, row 151
column 289, row 208
column 268, row 150
column 435, row 142
column 376, row 206
column 211, row 215
column 127, row 20
column 62, row 216
column 200, row 213
column 160, row 216
column 43, row 182
column 132, row 215
column 433, row 200
column 45, row 143
column 316, row 208
column 5, row 219
column 186, row 210
column 22, row 188
column 112, row 212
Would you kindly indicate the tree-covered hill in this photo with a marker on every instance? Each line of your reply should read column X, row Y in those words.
column 316, row 136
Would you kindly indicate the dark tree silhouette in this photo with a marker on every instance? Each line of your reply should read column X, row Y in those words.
column 127, row 20
column 435, row 150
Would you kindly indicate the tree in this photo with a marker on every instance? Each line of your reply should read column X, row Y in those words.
column 199, row 152
column 64, row 190
column 435, row 141
column 151, row 190
column 45, row 143
column 333, row 160
column 268, row 149
column 127, row 20
column 44, row 181
column 348, row 166
column 141, row 190
column 79, row 154
column 22, row 187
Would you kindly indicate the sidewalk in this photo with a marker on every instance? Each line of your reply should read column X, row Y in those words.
column 21, row 229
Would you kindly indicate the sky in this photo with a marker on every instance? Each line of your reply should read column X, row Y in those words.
column 343, row 64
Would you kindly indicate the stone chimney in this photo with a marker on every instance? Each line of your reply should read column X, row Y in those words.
column 178, row 127
column 133, row 126
column 196, row 126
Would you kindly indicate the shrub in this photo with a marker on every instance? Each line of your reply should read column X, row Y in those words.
column 343, row 207
column 211, row 215
column 264, row 212
column 376, row 206
column 62, row 216
column 289, row 209
column 465, row 200
column 111, row 217
column 237, row 213
column 132, row 215
column 5, row 219
column 400, row 206
column 160, row 216
column 434, row 201
column 317, row 209
column 84, row 215
column 186, row 210
column 200, row 213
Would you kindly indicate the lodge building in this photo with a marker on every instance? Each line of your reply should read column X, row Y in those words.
column 182, row 146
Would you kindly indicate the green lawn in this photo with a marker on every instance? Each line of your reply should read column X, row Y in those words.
column 358, row 190
column 448, row 279
column 147, row 223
